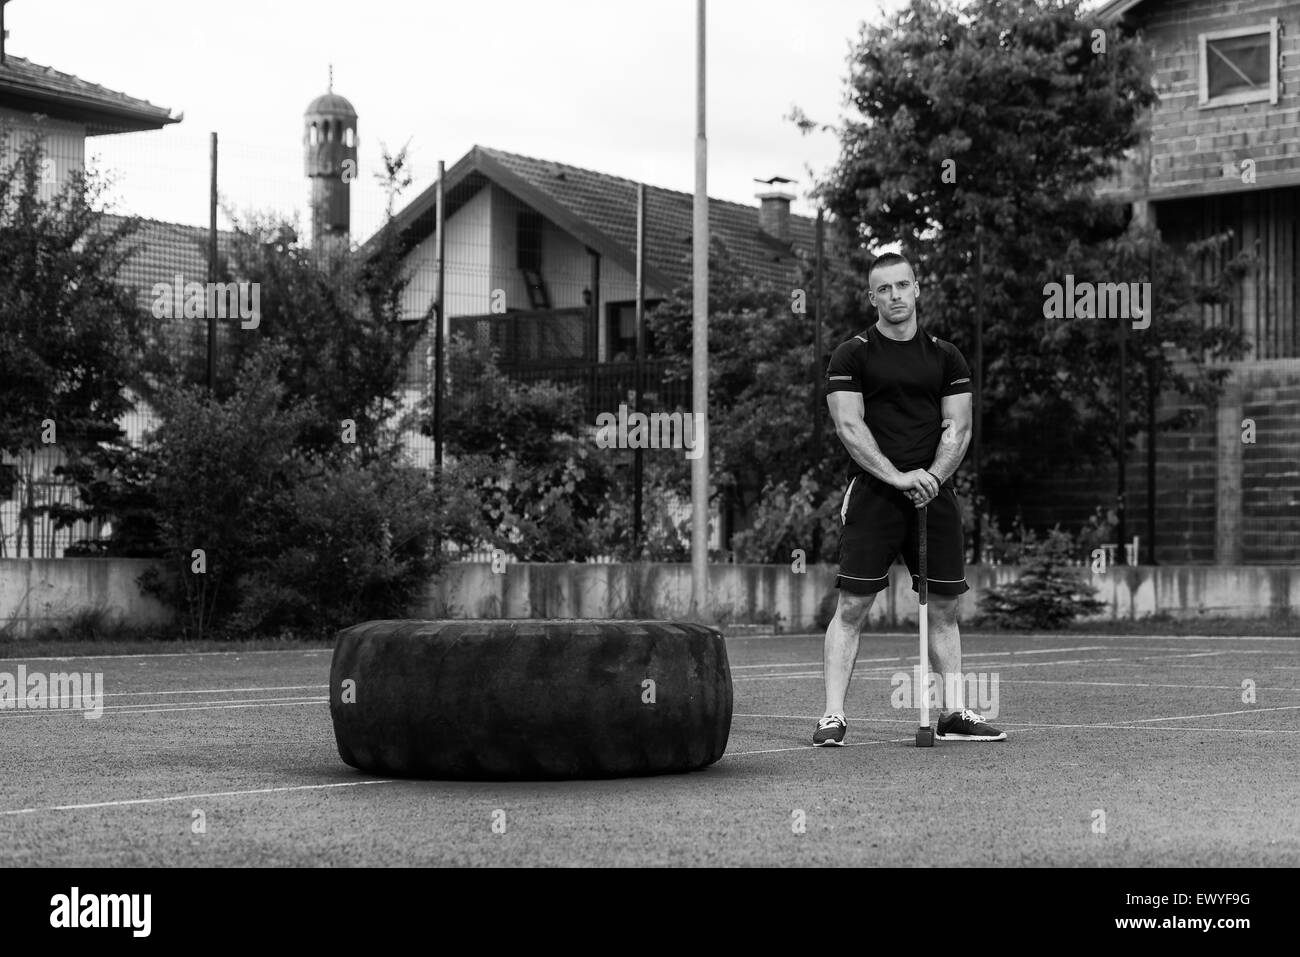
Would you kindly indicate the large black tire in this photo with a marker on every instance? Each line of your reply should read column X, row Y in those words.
column 529, row 699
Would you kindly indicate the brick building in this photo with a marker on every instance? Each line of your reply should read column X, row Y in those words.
column 1222, row 152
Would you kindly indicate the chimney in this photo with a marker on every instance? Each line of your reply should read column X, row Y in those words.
column 774, row 213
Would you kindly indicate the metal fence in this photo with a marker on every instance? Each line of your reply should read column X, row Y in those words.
column 514, row 285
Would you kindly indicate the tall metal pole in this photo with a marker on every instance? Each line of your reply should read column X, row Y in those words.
column 440, row 335
column 978, row 425
column 1122, row 526
column 638, row 460
column 1153, row 396
column 700, row 340
column 212, row 264
column 819, row 251
column 818, row 370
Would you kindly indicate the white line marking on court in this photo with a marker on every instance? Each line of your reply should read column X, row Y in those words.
column 1036, row 651
column 191, row 797
column 179, row 654
column 910, row 663
column 138, row 694
column 800, row 674
column 1135, row 684
column 1136, row 724
column 131, row 709
column 809, row 664
column 809, row 747
column 1137, row 727
column 1047, row 664
column 1201, row 668
column 968, row 654
column 1215, row 714
column 1035, row 636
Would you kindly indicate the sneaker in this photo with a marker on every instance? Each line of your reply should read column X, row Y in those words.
column 830, row 730
column 966, row 726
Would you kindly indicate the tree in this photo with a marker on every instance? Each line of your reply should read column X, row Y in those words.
column 219, row 468
column 524, row 453
column 71, row 338
column 992, row 123
column 258, row 536
column 1048, row 593
column 764, row 381
column 339, row 314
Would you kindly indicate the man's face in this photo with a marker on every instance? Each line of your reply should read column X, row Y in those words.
column 893, row 293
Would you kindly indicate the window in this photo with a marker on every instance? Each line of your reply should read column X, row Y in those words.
column 1239, row 66
column 620, row 330
column 528, row 239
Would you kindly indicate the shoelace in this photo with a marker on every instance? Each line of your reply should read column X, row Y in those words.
column 971, row 716
column 829, row 721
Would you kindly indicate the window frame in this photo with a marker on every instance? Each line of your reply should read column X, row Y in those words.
column 1203, row 42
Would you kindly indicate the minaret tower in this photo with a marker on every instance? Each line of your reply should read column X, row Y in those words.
column 330, row 155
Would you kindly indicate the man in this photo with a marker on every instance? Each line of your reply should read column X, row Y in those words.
column 901, row 403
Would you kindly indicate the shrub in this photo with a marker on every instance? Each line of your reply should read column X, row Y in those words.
column 219, row 470
column 783, row 521
column 358, row 542
column 1048, row 594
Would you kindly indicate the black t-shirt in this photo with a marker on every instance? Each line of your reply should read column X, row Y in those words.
column 902, row 385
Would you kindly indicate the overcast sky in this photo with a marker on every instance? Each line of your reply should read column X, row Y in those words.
column 605, row 85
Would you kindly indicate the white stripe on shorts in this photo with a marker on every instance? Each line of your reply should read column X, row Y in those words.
column 844, row 508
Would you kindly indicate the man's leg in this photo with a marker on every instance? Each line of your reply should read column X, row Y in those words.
column 874, row 520
column 841, row 649
column 945, row 651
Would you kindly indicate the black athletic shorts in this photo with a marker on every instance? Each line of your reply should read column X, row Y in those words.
column 878, row 522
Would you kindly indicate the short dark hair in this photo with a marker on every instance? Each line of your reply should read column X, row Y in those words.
column 888, row 259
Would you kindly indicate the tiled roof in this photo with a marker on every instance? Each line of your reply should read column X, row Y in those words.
column 600, row 210
column 165, row 250
column 32, row 88
column 608, row 203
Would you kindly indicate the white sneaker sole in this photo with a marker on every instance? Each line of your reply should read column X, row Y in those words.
column 828, row 744
column 972, row 738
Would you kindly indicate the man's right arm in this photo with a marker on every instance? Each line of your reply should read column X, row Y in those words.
column 847, row 413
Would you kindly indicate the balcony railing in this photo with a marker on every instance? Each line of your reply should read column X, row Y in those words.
column 606, row 385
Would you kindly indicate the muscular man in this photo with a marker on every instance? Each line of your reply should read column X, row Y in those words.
column 901, row 403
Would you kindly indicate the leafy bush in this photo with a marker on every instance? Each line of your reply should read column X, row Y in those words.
column 293, row 544
column 665, row 516
column 782, row 521
column 524, row 453
column 219, row 473
column 359, row 545
column 1049, row 592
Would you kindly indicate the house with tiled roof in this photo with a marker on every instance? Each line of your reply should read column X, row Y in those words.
column 541, row 260
column 64, row 110
column 70, row 109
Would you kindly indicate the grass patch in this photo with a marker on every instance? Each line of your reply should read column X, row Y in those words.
column 1204, row 625
column 32, row 648
column 94, row 632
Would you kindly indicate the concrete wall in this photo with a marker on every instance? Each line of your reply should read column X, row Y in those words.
column 773, row 594
column 42, row 592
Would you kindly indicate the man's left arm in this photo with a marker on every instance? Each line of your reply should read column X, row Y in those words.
column 956, row 410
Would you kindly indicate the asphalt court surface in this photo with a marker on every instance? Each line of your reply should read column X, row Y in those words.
column 1122, row 751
